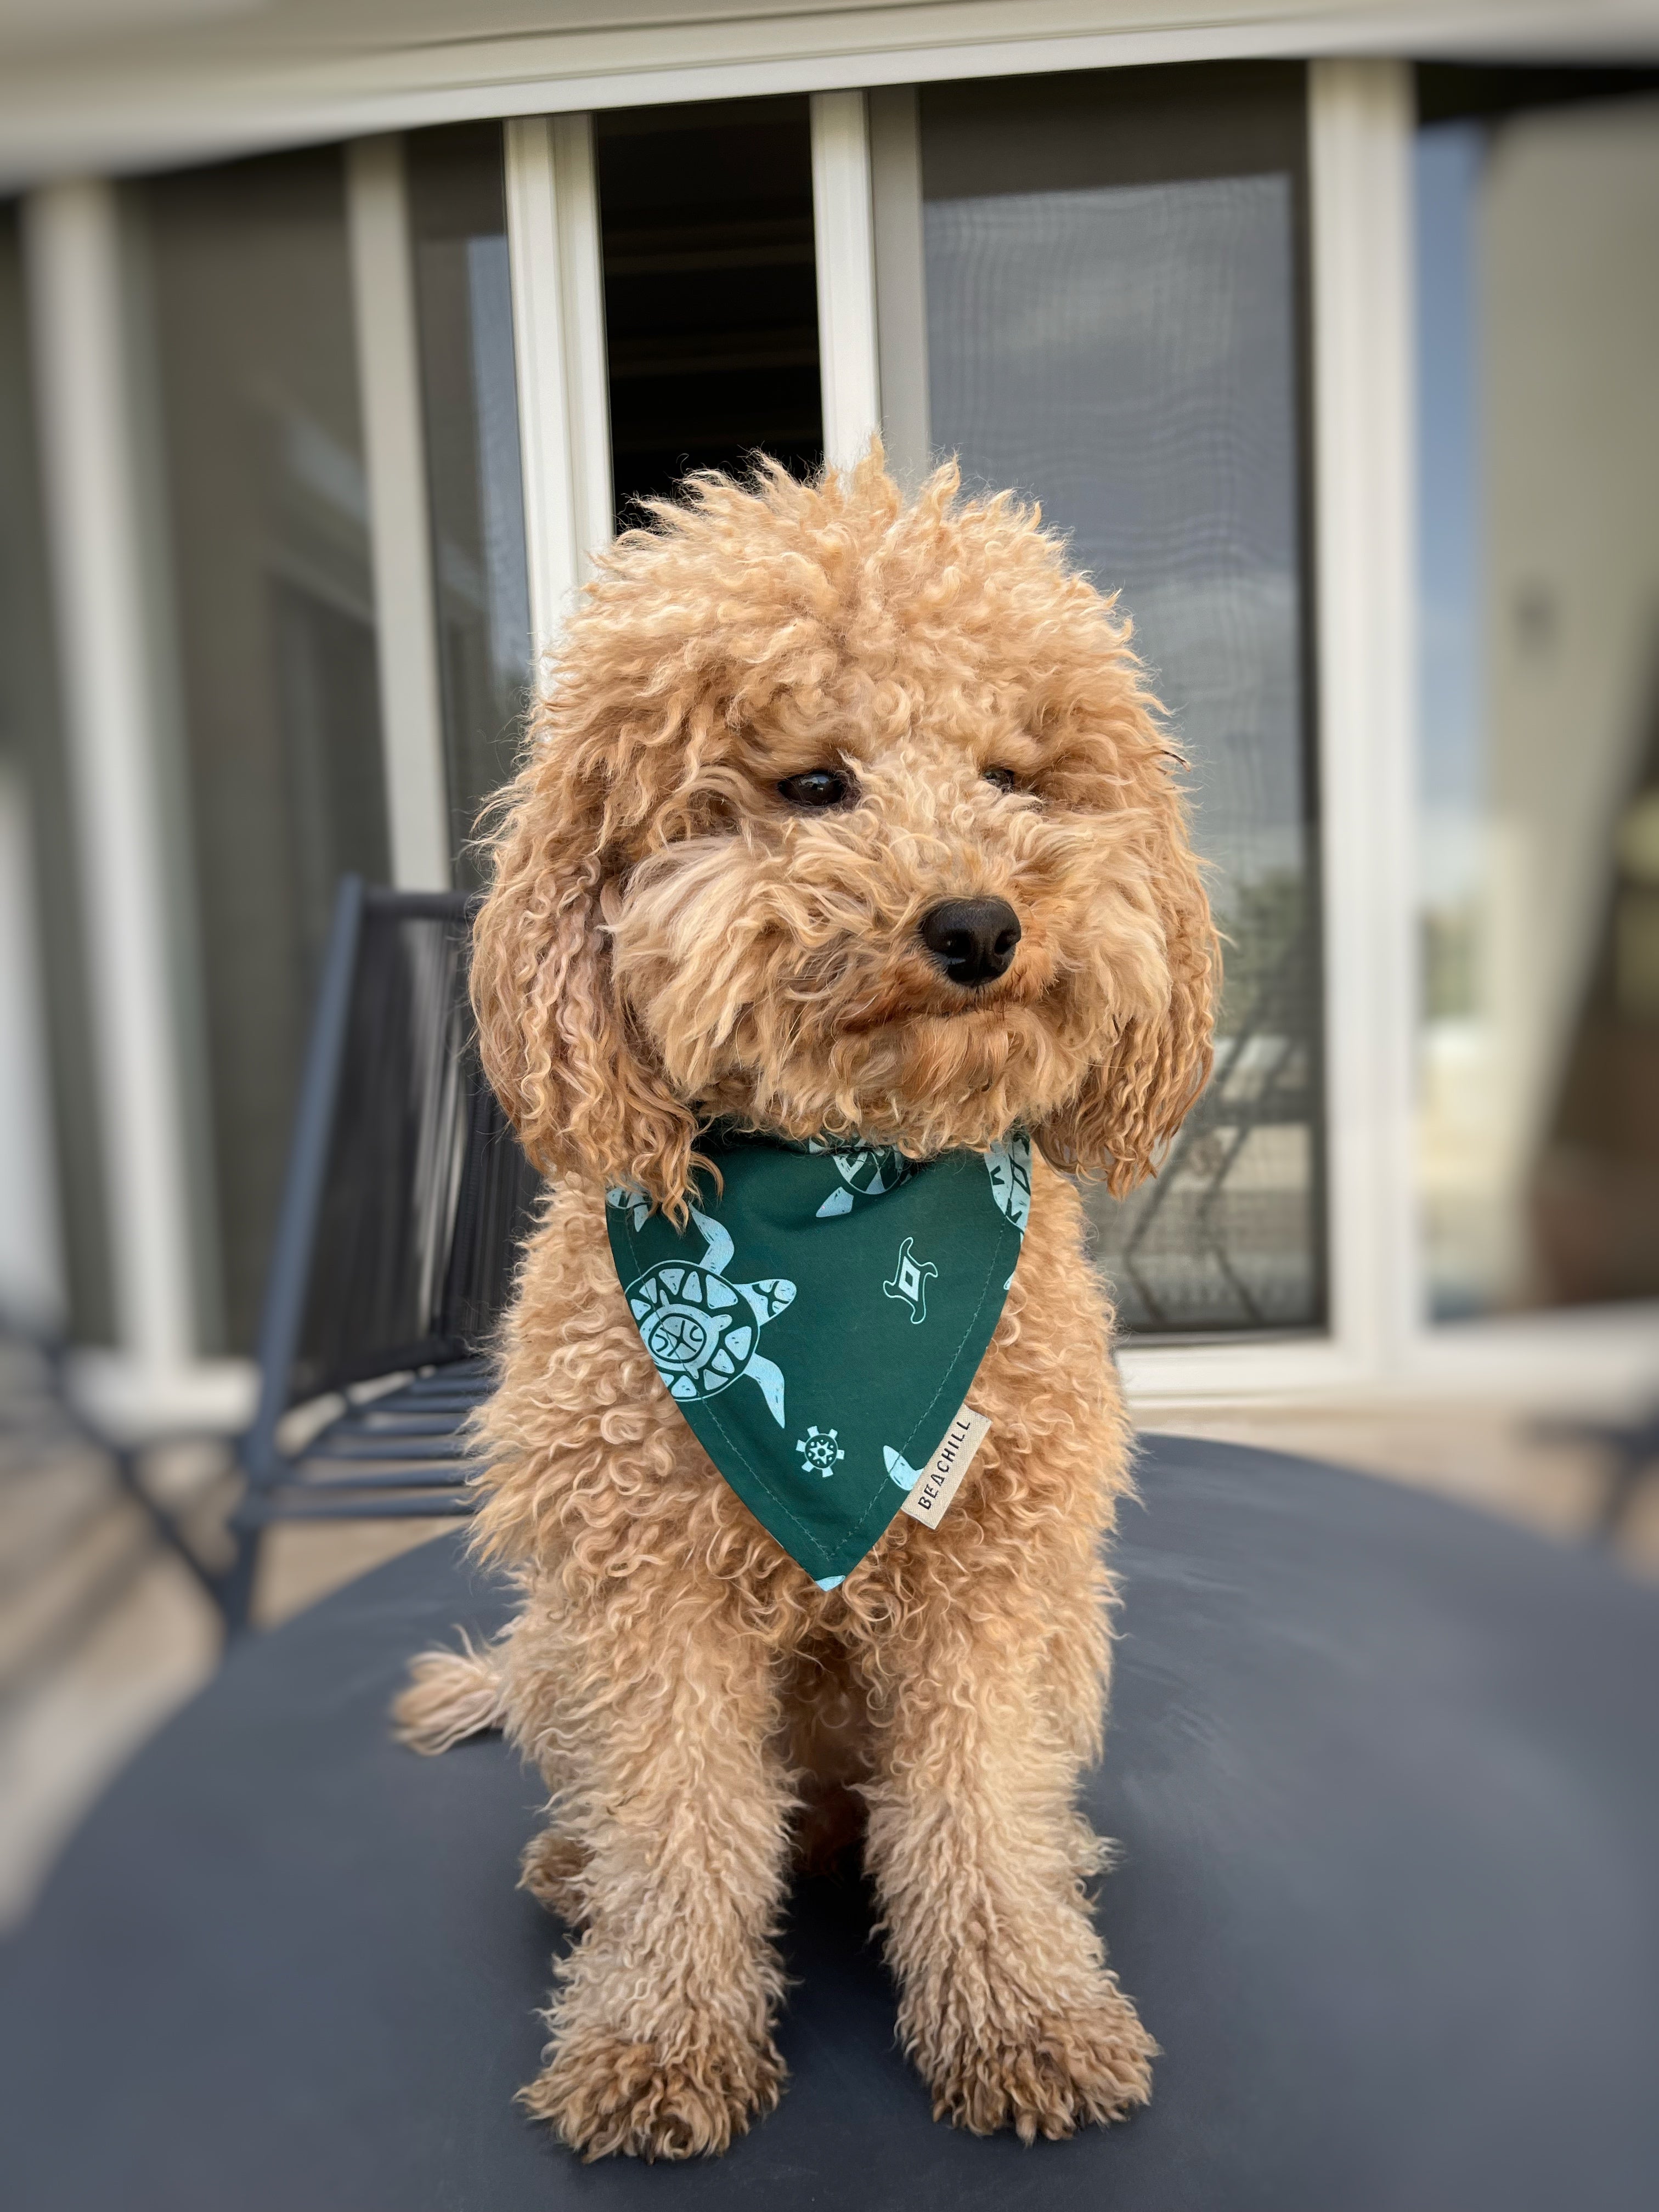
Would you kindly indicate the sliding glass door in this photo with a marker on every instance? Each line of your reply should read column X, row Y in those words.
column 265, row 590
column 1537, row 201
column 1115, row 325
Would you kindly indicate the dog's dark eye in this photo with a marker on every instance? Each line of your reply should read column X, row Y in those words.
column 1004, row 778
column 819, row 787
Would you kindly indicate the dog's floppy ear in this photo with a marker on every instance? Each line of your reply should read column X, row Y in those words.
column 556, row 1043
column 1135, row 1098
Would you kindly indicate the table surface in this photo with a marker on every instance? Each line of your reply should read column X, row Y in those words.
column 1386, row 1780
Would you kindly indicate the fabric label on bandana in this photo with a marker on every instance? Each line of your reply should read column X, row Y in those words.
column 819, row 1322
column 930, row 1500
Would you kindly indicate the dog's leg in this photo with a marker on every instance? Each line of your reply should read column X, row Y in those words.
column 980, row 1858
column 673, row 1819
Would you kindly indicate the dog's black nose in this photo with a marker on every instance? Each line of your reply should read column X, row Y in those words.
column 972, row 940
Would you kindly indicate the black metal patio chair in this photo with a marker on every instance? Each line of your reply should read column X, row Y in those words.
column 406, row 1200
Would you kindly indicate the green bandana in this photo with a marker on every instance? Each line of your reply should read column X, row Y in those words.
column 820, row 1319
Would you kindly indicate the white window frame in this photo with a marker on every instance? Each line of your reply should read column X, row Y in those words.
column 558, row 337
column 115, row 700
column 1360, row 123
column 844, row 240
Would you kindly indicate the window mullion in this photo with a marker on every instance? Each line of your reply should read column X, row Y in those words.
column 113, row 714
column 558, row 332
column 1360, row 125
column 845, row 247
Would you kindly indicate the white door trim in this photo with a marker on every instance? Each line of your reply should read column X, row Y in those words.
column 844, row 247
column 558, row 337
column 1361, row 120
column 93, row 476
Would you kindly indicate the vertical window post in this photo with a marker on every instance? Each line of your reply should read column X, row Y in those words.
column 1360, row 126
column 412, row 712
column 113, row 724
column 558, row 332
column 845, row 241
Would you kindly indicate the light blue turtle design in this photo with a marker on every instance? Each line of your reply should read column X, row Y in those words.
column 868, row 1174
column 911, row 1277
column 701, row 1331
column 900, row 1470
column 819, row 1450
column 623, row 1200
column 1008, row 1163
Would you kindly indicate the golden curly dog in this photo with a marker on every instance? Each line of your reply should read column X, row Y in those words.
column 785, row 722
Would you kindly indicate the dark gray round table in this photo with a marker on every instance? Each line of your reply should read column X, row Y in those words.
column 1387, row 1780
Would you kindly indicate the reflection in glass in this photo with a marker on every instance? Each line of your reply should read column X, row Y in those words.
column 1538, row 321
column 457, row 216
column 1127, row 353
column 54, row 1263
column 250, row 300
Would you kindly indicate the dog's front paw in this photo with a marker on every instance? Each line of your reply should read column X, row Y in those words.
column 1048, row 2074
column 604, row 2095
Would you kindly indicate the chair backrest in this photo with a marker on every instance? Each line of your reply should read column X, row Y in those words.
column 407, row 1194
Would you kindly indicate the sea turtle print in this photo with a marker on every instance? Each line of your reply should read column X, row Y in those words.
column 900, row 1470
column 819, row 1451
column 1008, row 1163
column 701, row 1331
column 868, row 1174
column 622, row 1200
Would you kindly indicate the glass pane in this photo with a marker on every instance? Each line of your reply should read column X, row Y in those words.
column 710, row 290
column 251, row 302
column 458, row 214
column 1114, row 327
column 54, row 1266
column 1538, row 318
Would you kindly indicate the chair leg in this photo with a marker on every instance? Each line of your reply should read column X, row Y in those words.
column 126, row 1469
column 233, row 1591
column 230, row 1589
column 1629, row 1471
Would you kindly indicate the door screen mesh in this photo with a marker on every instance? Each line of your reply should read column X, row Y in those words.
column 1114, row 326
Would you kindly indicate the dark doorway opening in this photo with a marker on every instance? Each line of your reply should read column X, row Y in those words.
column 710, row 291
